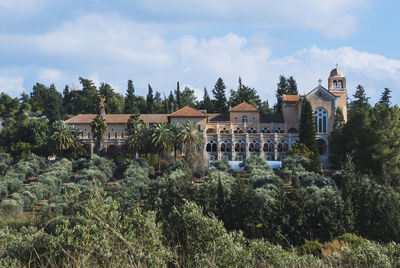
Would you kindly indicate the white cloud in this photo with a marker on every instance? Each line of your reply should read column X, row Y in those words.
column 333, row 18
column 11, row 85
column 111, row 49
column 50, row 75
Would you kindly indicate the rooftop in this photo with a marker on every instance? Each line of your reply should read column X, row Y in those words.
column 187, row 111
column 244, row 107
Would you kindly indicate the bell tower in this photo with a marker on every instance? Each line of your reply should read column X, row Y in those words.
column 337, row 86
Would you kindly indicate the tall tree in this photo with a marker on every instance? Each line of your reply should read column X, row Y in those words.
column 192, row 138
column 245, row 93
column 339, row 120
column 53, row 104
column 188, row 97
column 360, row 96
column 292, row 86
column 130, row 99
column 138, row 133
column 87, row 99
column 176, row 136
column 114, row 102
column 281, row 89
column 307, row 135
column 178, row 96
column 385, row 98
column 218, row 92
column 161, row 140
column 265, row 109
column 150, row 101
column 207, row 104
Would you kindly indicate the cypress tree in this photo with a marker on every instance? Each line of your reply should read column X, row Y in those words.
column 130, row 107
column 150, row 101
column 360, row 96
column 307, row 134
column 219, row 96
column 281, row 89
column 207, row 105
column 178, row 96
column 171, row 102
column 339, row 120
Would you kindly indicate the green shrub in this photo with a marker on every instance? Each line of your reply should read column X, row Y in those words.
column 310, row 247
column 11, row 208
column 353, row 240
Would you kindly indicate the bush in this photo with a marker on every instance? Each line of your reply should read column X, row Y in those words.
column 310, row 247
column 11, row 208
column 353, row 240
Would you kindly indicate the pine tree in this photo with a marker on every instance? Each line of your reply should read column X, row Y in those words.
column 282, row 87
column 360, row 97
column 178, row 96
column 385, row 98
column 219, row 96
column 245, row 93
column 130, row 107
column 150, row 101
column 339, row 120
column 207, row 104
column 292, row 86
column 307, row 134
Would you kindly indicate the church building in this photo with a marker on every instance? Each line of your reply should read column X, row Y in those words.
column 243, row 130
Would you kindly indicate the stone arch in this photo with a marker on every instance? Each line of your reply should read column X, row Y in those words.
column 211, row 130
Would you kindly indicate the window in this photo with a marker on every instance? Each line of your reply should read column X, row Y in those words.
column 109, row 135
column 239, row 158
column 321, row 116
column 340, row 84
column 116, row 135
column 334, row 84
column 269, row 147
column 245, row 119
column 211, row 158
column 223, row 147
column 88, row 135
column 211, row 146
column 122, row 135
column 240, row 146
column 226, row 157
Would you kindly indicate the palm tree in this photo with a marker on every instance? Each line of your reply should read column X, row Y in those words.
column 61, row 136
column 66, row 138
column 161, row 140
column 192, row 138
column 176, row 136
column 137, row 137
column 99, row 127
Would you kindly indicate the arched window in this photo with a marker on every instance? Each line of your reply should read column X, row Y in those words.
column 208, row 147
column 321, row 120
column 254, row 146
column 240, row 146
column 224, row 131
column 251, row 147
column 245, row 119
column 283, row 147
column 334, row 84
column 271, row 147
column 251, row 130
column 340, row 84
column 214, row 147
column 226, row 146
column 265, row 130
column 211, row 130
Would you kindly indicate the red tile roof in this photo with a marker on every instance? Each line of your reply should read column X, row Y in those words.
column 118, row 118
column 291, row 98
column 187, row 112
column 244, row 107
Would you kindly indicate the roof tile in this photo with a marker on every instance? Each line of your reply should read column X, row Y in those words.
column 187, row 111
column 244, row 107
column 291, row 98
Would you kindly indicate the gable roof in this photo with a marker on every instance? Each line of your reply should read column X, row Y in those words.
column 118, row 118
column 244, row 107
column 324, row 90
column 187, row 111
column 291, row 98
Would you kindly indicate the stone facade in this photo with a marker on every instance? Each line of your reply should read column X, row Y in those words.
column 243, row 131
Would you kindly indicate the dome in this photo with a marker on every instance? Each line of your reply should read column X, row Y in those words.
column 337, row 72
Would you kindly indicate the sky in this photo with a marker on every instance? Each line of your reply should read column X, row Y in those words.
column 161, row 42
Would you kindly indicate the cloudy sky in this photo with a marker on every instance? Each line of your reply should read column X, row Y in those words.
column 195, row 42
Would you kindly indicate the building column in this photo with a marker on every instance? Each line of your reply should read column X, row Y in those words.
column 290, row 140
column 232, row 146
column 247, row 145
column 218, row 146
column 276, row 145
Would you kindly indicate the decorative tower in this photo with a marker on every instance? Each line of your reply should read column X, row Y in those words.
column 337, row 85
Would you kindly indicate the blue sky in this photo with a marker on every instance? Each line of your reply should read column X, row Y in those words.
column 160, row 42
